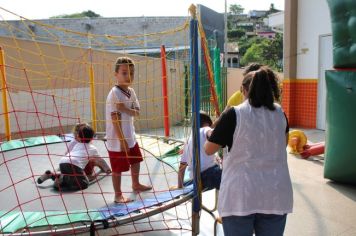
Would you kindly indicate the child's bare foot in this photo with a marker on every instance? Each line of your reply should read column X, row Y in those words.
column 94, row 176
column 122, row 199
column 174, row 188
column 141, row 188
column 105, row 170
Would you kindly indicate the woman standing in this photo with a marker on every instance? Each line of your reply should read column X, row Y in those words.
column 256, row 191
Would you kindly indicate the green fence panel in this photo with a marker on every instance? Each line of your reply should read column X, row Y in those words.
column 217, row 74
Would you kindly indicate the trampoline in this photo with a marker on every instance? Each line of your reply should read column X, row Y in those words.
column 40, row 209
column 49, row 85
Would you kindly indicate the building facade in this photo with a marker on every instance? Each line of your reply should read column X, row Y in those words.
column 307, row 54
column 101, row 28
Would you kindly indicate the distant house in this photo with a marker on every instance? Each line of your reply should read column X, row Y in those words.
column 233, row 59
column 256, row 23
column 248, row 26
column 257, row 14
column 266, row 34
column 275, row 21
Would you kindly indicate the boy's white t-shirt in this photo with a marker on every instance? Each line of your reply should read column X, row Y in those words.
column 71, row 145
column 130, row 100
column 206, row 161
column 79, row 155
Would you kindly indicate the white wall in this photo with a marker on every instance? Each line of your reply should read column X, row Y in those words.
column 234, row 80
column 38, row 110
column 313, row 21
column 275, row 20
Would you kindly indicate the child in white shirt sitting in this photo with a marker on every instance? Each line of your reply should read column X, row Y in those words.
column 77, row 166
column 210, row 170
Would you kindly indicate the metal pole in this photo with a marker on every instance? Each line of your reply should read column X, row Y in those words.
column 5, row 104
column 186, row 92
column 91, row 77
column 165, row 91
column 225, row 35
column 195, row 96
column 92, row 95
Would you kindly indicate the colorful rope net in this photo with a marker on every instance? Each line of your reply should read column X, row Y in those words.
column 52, row 78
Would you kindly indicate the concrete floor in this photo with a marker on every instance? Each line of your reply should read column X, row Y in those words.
column 321, row 207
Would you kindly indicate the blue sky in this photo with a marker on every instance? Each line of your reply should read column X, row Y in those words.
column 41, row 9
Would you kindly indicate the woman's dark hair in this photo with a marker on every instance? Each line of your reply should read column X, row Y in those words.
column 274, row 83
column 251, row 67
column 263, row 89
column 205, row 119
column 247, row 81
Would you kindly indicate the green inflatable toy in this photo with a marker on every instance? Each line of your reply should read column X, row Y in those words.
column 340, row 151
column 343, row 23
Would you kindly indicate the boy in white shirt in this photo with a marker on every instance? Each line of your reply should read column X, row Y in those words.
column 81, row 157
column 210, row 170
column 121, row 107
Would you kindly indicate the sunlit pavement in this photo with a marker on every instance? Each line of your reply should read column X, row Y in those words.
column 321, row 207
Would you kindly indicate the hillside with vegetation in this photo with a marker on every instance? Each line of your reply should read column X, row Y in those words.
column 245, row 29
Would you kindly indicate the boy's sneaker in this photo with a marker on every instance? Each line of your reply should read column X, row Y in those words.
column 47, row 175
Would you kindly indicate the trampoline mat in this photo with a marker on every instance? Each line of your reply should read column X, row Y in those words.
column 20, row 169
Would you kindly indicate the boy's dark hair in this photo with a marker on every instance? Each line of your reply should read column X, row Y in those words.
column 205, row 119
column 86, row 133
column 263, row 89
column 251, row 67
column 77, row 128
column 123, row 61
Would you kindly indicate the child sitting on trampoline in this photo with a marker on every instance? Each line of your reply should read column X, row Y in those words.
column 210, row 169
column 96, row 161
column 77, row 166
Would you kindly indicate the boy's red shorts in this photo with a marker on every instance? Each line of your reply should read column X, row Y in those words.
column 120, row 161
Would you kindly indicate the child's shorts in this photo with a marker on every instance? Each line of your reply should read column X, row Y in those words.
column 120, row 161
column 73, row 177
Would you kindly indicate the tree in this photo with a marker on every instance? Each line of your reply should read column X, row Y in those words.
column 273, row 53
column 235, row 33
column 272, row 9
column 236, row 9
column 264, row 51
column 245, row 43
column 83, row 14
column 90, row 13
column 253, row 54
